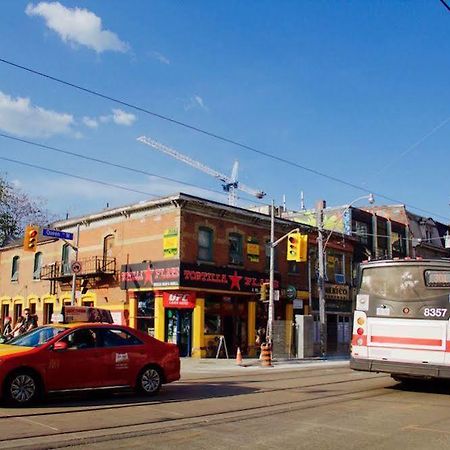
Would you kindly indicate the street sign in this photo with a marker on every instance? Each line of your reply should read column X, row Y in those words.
column 291, row 292
column 76, row 267
column 57, row 234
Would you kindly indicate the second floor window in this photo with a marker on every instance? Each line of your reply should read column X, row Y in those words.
column 205, row 244
column 236, row 255
column 15, row 268
column 37, row 266
column 65, row 260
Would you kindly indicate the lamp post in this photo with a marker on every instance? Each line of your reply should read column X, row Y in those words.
column 321, row 205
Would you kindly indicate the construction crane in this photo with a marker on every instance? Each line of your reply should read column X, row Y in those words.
column 230, row 184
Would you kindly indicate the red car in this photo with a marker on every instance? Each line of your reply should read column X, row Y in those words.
column 69, row 357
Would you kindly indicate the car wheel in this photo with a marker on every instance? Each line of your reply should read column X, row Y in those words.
column 149, row 380
column 22, row 388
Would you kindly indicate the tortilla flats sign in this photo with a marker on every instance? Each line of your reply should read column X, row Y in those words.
column 148, row 275
column 222, row 278
column 185, row 275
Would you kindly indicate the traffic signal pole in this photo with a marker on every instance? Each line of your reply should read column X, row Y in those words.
column 273, row 244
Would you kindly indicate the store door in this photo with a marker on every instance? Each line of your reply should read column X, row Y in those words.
column 178, row 329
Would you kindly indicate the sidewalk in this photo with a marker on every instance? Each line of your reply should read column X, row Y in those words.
column 212, row 365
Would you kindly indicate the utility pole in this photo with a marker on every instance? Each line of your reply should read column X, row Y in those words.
column 271, row 275
column 321, row 280
column 74, row 275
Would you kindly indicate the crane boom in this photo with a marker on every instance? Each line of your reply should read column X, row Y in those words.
column 230, row 184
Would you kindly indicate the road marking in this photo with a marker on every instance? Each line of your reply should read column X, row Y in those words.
column 34, row 422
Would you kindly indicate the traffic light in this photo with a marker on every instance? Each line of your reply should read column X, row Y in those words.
column 297, row 246
column 30, row 239
column 264, row 292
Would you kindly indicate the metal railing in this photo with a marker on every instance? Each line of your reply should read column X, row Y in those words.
column 93, row 265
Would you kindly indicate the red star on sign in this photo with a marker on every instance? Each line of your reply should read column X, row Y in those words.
column 148, row 276
column 235, row 281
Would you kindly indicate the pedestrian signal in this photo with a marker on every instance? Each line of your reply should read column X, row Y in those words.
column 297, row 247
column 30, row 239
column 264, row 293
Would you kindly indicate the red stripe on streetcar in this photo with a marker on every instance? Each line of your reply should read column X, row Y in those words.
column 406, row 340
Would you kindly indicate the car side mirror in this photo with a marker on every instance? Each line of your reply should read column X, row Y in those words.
column 60, row 346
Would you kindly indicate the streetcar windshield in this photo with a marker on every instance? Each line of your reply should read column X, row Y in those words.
column 402, row 283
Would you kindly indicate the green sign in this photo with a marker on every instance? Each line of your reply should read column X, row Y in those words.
column 291, row 292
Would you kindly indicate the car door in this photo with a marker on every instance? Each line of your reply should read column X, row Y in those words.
column 79, row 366
column 124, row 355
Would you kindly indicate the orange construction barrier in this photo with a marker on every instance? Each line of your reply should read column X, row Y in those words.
column 238, row 356
column 266, row 355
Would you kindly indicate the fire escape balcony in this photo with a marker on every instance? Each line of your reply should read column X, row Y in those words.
column 93, row 266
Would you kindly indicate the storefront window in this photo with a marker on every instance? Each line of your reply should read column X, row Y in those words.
column 146, row 312
column 212, row 317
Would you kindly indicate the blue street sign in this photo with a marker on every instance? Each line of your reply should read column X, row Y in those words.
column 57, row 234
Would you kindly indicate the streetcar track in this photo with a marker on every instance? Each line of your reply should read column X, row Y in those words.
column 169, row 401
column 207, row 419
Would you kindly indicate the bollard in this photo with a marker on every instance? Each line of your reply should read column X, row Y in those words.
column 266, row 355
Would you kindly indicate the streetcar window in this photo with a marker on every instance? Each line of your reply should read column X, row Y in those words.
column 400, row 283
column 437, row 278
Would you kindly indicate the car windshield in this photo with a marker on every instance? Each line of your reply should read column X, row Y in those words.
column 36, row 337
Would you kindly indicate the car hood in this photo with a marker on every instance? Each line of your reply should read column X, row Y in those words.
column 6, row 349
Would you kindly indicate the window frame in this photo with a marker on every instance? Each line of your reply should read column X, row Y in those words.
column 15, row 268
column 209, row 248
column 37, row 269
column 236, row 258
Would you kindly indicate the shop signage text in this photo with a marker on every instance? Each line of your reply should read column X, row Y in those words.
column 179, row 299
column 147, row 275
column 222, row 278
column 337, row 292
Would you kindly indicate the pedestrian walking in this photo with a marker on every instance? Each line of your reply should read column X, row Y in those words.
column 29, row 322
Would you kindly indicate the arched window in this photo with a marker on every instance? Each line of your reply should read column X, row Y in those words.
column 15, row 268
column 37, row 266
column 65, row 260
column 108, row 244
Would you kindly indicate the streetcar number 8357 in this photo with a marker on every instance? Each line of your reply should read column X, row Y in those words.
column 435, row 312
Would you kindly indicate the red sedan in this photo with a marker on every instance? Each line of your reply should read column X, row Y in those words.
column 70, row 357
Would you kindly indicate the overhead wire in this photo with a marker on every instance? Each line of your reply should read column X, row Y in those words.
column 215, row 136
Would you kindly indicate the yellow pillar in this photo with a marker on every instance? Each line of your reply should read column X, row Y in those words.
column 198, row 329
column 132, row 310
column 289, row 327
column 159, row 317
column 251, row 329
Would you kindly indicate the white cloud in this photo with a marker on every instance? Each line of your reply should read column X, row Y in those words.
column 123, row 118
column 18, row 116
column 160, row 57
column 195, row 102
column 77, row 26
column 90, row 122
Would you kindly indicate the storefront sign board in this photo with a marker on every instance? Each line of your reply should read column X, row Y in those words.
column 179, row 300
column 150, row 275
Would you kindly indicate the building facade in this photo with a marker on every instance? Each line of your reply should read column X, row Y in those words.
column 181, row 268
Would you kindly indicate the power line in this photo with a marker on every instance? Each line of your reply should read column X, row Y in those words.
column 107, row 163
column 215, row 136
column 79, row 177
column 445, row 4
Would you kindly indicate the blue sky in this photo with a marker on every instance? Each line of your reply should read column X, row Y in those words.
column 358, row 90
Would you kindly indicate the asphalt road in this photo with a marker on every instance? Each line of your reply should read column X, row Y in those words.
column 328, row 407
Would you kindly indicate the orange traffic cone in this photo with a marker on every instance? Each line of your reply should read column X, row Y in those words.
column 238, row 356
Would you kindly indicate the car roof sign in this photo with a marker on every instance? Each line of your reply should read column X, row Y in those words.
column 86, row 314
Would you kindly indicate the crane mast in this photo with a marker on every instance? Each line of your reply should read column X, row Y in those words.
column 229, row 183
